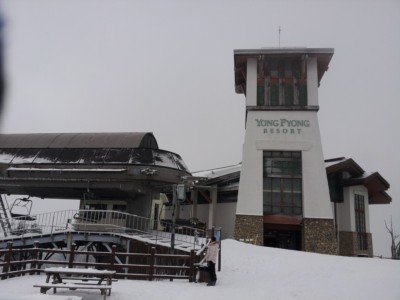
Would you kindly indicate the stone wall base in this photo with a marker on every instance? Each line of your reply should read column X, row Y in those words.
column 319, row 236
column 348, row 244
column 249, row 229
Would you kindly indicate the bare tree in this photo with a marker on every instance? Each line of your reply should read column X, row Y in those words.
column 395, row 246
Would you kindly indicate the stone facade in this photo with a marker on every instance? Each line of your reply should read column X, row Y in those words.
column 319, row 236
column 249, row 229
column 348, row 244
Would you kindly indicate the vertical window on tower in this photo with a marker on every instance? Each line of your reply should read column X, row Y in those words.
column 359, row 206
column 260, row 82
column 273, row 80
column 288, row 83
column 282, row 182
column 281, row 82
column 302, row 83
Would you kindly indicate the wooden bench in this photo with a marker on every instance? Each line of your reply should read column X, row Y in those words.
column 102, row 287
column 90, row 279
column 84, row 278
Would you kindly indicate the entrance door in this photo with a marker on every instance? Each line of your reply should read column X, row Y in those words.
column 284, row 239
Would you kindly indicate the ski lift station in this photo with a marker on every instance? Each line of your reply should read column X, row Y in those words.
column 284, row 193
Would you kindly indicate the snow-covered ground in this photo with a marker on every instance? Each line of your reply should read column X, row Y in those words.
column 250, row 272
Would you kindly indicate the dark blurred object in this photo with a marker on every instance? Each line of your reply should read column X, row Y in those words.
column 2, row 84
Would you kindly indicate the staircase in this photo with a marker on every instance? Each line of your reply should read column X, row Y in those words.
column 4, row 218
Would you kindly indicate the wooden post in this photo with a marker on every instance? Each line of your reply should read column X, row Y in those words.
column 24, row 258
column 34, row 257
column 71, row 256
column 152, row 262
column 39, row 264
column 7, row 260
column 20, row 266
column 113, row 250
column 192, row 272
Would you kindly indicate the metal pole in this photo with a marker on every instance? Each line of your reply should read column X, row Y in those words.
column 173, row 218
column 219, row 250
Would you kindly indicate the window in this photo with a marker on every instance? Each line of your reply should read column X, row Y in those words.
column 282, row 183
column 118, row 210
column 282, row 82
column 359, row 206
column 335, row 187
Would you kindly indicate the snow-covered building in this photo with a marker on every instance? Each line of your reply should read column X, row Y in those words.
column 351, row 192
column 284, row 194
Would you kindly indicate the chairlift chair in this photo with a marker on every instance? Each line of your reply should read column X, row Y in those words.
column 24, row 203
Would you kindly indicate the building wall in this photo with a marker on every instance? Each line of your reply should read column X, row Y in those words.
column 348, row 245
column 251, row 82
column 346, row 211
column 249, row 229
column 284, row 136
column 346, row 223
column 312, row 81
column 319, row 236
column 285, row 130
column 225, row 216
column 261, row 135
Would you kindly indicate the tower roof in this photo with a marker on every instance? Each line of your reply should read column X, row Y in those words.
column 323, row 56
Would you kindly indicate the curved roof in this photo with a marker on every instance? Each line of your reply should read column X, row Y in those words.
column 136, row 148
column 79, row 140
column 61, row 165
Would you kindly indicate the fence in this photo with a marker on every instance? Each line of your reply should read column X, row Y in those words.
column 146, row 266
column 98, row 221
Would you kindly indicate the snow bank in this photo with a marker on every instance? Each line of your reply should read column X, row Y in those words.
column 252, row 272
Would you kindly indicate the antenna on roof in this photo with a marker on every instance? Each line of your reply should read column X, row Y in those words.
column 279, row 33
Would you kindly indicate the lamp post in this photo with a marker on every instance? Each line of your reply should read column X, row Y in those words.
column 178, row 193
column 173, row 218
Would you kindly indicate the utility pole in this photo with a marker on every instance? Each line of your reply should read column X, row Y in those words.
column 279, row 33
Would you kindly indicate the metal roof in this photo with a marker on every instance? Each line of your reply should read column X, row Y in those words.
column 282, row 51
column 79, row 140
column 61, row 165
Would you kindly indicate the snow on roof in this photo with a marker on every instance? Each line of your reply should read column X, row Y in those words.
column 217, row 172
column 334, row 161
column 65, row 170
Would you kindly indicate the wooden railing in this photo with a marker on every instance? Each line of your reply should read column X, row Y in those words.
column 145, row 266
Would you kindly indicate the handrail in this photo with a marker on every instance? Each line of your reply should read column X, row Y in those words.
column 99, row 221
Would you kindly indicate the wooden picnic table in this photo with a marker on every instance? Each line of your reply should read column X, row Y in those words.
column 83, row 279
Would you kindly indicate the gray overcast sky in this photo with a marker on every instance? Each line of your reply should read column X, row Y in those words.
column 167, row 67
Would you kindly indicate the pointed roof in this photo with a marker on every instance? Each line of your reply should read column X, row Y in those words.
column 374, row 182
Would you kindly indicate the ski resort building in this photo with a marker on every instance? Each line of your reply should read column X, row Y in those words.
column 283, row 176
column 283, row 194
column 351, row 193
